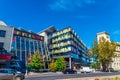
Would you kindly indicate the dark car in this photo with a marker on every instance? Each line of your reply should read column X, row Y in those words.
column 69, row 71
column 110, row 70
column 10, row 74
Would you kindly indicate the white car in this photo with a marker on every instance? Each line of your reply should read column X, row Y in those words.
column 86, row 70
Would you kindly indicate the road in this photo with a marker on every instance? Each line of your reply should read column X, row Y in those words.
column 66, row 76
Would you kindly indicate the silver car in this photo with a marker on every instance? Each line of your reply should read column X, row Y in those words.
column 9, row 74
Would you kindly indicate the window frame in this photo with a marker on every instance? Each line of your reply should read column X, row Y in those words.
column 2, row 33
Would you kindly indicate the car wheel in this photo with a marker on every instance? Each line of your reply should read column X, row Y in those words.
column 67, row 72
column 75, row 72
column 18, row 78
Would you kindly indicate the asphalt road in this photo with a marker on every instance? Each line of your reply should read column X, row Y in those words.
column 66, row 76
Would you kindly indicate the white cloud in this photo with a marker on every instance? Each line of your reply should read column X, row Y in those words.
column 60, row 4
column 69, row 4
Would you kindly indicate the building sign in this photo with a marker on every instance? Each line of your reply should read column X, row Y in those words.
column 5, row 56
column 27, row 34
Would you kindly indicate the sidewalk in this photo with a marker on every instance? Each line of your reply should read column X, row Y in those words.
column 43, row 74
column 115, row 77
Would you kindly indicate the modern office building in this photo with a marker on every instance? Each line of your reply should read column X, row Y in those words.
column 20, row 42
column 66, row 43
column 25, row 44
column 115, row 64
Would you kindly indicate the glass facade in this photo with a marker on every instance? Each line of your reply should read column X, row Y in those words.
column 24, row 44
column 67, row 44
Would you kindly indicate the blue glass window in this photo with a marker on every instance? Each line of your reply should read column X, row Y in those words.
column 27, row 45
column 31, row 46
column 35, row 44
column 23, row 44
column 2, row 33
column 1, row 44
column 18, row 42
column 18, row 54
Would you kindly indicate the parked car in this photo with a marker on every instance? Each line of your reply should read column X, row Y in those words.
column 19, row 75
column 69, row 71
column 10, row 74
column 86, row 70
column 6, row 74
column 110, row 70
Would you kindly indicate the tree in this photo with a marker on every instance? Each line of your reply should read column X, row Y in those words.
column 60, row 62
column 104, row 50
column 95, row 65
column 36, row 63
column 90, row 53
column 53, row 66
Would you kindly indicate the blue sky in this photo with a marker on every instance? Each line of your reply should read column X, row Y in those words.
column 86, row 17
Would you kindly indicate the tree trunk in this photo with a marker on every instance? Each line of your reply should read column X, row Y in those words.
column 103, row 66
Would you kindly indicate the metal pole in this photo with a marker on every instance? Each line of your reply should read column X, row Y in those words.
column 25, row 55
column 70, row 62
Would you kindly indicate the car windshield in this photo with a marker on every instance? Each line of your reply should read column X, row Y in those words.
column 6, row 71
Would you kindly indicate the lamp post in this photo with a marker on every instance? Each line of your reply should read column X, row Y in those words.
column 110, row 65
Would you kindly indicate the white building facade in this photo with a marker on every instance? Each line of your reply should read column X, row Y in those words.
column 116, row 61
column 115, row 64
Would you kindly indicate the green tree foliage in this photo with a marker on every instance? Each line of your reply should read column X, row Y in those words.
column 36, row 63
column 58, row 65
column 95, row 65
column 104, row 50
column 53, row 66
column 90, row 53
column 60, row 62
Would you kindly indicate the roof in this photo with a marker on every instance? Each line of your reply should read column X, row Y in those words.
column 49, row 30
column 2, row 23
column 103, row 33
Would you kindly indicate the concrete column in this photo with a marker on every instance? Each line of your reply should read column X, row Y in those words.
column 25, row 51
column 30, row 47
column 70, row 62
column 15, row 46
column 20, row 50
